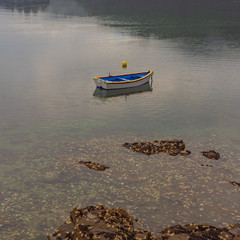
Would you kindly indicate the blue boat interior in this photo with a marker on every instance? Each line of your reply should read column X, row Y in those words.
column 123, row 78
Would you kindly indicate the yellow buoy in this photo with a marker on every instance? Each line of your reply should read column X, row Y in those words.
column 124, row 64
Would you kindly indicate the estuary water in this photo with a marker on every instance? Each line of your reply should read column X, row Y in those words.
column 50, row 117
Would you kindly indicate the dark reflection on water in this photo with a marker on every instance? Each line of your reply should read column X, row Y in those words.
column 173, row 18
column 159, row 7
column 153, row 18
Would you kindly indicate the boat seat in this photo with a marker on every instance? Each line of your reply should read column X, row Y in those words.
column 135, row 77
column 122, row 79
column 127, row 79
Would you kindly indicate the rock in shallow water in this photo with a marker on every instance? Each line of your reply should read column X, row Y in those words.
column 100, row 223
column 185, row 152
column 234, row 183
column 197, row 232
column 171, row 147
column 211, row 154
column 94, row 166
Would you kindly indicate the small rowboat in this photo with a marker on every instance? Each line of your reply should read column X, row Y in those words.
column 123, row 81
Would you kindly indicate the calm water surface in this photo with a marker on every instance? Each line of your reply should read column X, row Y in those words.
column 49, row 117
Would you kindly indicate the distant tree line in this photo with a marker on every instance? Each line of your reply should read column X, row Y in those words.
column 25, row 6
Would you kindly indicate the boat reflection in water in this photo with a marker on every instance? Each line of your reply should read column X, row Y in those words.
column 103, row 93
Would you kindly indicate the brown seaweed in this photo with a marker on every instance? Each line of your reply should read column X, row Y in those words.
column 211, row 154
column 100, row 223
column 195, row 231
column 171, row 147
column 234, row 183
column 94, row 166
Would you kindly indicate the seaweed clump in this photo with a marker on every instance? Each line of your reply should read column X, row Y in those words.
column 94, row 166
column 100, row 223
column 211, row 154
column 194, row 231
column 234, row 183
column 171, row 147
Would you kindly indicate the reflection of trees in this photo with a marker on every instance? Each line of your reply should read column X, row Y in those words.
column 25, row 6
column 158, row 7
column 158, row 18
column 170, row 18
column 66, row 8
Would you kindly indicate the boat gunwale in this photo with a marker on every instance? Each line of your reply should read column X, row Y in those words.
column 123, row 82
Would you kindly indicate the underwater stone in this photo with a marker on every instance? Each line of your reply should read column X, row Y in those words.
column 94, row 166
column 99, row 222
column 171, row 147
column 195, row 231
column 185, row 152
column 102, row 223
column 211, row 154
column 235, row 183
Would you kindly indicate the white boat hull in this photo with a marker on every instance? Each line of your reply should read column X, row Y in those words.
column 110, row 85
column 103, row 93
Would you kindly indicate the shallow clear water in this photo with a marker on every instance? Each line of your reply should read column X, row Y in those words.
column 49, row 117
